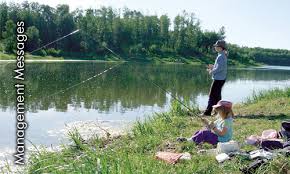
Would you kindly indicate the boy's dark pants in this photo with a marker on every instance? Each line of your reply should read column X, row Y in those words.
column 214, row 95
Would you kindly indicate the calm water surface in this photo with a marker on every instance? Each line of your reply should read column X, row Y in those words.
column 115, row 99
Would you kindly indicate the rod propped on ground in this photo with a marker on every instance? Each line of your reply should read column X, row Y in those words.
column 188, row 108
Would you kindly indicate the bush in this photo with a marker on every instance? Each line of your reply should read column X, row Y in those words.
column 42, row 53
column 154, row 49
column 167, row 51
column 53, row 52
column 137, row 50
column 1, row 47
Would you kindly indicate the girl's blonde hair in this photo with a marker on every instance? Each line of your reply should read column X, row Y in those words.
column 224, row 112
column 226, row 52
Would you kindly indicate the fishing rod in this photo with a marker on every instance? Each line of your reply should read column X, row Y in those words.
column 164, row 90
column 55, row 41
column 105, row 46
column 88, row 79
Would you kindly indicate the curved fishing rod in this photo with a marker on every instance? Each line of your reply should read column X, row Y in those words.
column 88, row 79
column 54, row 41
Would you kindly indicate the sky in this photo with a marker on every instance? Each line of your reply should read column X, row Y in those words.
column 252, row 23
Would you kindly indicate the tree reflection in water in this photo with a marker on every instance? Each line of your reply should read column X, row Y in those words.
column 125, row 85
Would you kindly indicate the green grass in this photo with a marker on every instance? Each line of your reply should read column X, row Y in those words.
column 273, row 102
column 134, row 152
column 6, row 56
column 28, row 57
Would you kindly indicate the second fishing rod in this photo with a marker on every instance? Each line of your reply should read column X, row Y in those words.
column 164, row 90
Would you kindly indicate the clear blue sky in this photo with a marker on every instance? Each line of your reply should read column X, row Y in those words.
column 264, row 23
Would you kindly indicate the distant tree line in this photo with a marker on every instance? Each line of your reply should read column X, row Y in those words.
column 127, row 32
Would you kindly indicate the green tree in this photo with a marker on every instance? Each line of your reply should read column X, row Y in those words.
column 9, row 37
column 65, row 25
column 3, row 17
column 127, row 32
column 48, row 24
column 164, row 29
column 185, row 34
column 33, row 38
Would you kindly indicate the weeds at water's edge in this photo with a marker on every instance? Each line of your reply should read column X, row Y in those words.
column 271, row 94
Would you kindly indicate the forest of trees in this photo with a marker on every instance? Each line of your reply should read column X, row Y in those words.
column 127, row 32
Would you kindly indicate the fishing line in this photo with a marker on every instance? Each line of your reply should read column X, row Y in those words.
column 84, row 81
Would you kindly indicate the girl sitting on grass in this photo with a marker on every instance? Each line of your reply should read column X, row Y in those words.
column 220, row 130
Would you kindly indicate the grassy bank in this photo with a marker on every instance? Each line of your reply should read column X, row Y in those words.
column 206, row 59
column 28, row 57
column 134, row 152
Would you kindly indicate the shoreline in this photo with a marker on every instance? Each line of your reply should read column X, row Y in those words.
column 241, row 66
column 61, row 60
column 154, row 59
column 125, row 61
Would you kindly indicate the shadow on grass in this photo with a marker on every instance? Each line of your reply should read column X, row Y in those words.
column 265, row 117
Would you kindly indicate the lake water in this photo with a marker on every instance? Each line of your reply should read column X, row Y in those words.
column 114, row 99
